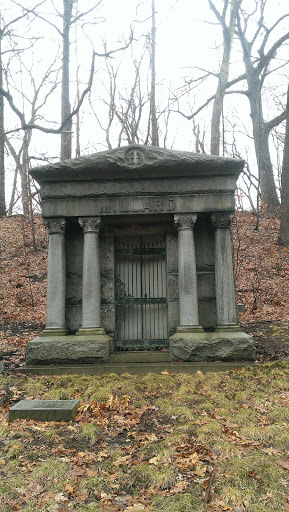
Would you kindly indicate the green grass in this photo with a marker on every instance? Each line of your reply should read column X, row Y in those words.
column 144, row 449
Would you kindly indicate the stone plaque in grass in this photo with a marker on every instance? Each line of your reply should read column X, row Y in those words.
column 1, row 367
column 44, row 410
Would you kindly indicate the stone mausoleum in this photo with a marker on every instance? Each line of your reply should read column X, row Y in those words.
column 140, row 258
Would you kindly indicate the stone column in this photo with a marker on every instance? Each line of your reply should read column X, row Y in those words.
column 188, row 295
column 224, row 273
column 55, row 312
column 91, row 299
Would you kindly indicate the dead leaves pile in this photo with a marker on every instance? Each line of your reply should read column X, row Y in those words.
column 261, row 268
column 23, row 270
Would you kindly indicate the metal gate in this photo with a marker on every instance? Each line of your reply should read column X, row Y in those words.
column 141, row 306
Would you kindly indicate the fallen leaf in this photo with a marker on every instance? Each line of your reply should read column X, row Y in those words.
column 200, row 469
column 69, row 490
column 155, row 460
column 253, row 475
column 138, row 507
column 266, row 496
column 121, row 460
column 284, row 464
column 179, row 487
column 60, row 498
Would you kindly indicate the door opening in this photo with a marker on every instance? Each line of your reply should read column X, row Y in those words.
column 141, row 305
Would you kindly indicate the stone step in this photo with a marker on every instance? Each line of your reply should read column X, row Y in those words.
column 44, row 410
column 133, row 368
column 142, row 356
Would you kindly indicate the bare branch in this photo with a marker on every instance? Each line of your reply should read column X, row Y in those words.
column 111, row 52
column 82, row 14
column 32, row 11
column 275, row 122
column 28, row 126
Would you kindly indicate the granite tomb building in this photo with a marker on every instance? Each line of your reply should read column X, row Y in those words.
column 140, row 257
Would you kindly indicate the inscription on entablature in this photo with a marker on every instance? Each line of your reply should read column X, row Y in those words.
column 124, row 205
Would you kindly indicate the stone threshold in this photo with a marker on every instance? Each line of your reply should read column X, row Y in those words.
column 139, row 356
column 134, row 368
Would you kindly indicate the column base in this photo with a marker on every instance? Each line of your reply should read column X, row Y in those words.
column 190, row 328
column 53, row 331
column 228, row 328
column 71, row 349
column 212, row 346
column 88, row 331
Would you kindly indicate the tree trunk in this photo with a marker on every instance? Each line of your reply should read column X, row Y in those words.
column 283, row 238
column 228, row 33
column 260, row 130
column 65, row 150
column 154, row 122
column 261, row 141
column 2, row 141
column 24, row 168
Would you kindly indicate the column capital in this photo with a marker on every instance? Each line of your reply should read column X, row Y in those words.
column 90, row 224
column 185, row 221
column 222, row 220
column 55, row 225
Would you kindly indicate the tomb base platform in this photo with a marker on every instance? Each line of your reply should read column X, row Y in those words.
column 133, row 368
column 212, row 346
column 93, row 348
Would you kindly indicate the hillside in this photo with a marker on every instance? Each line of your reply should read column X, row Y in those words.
column 261, row 268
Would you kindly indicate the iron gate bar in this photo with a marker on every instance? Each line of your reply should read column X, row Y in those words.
column 140, row 289
column 131, row 301
column 140, row 251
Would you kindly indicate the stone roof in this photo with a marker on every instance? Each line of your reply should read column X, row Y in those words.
column 136, row 161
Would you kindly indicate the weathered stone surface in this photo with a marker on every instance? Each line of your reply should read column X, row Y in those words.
column 173, row 287
column 1, row 367
column 44, row 410
column 107, row 287
column 108, row 317
column 56, row 275
column 172, row 253
column 208, row 313
column 73, row 316
column 106, row 254
column 68, row 349
column 236, row 346
column 140, row 205
column 206, row 285
column 180, row 185
column 154, row 161
column 174, row 315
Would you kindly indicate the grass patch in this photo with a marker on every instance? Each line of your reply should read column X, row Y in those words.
column 150, row 440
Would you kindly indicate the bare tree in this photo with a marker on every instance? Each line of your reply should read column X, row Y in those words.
column 228, row 29
column 283, row 237
column 21, row 155
column 260, row 45
column 154, row 121
column 257, row 70
column 5, row 32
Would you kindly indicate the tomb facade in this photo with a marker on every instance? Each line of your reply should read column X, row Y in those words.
column 140, row 257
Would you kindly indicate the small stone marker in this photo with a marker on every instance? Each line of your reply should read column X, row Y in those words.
column 44, row 410
column 1, row 367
